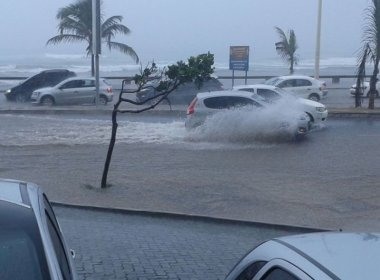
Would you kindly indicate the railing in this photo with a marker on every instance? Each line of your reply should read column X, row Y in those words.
column 335, row 79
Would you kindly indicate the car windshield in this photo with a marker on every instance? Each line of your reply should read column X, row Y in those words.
column 284, row 92
column 273, row 81
column 21, row 252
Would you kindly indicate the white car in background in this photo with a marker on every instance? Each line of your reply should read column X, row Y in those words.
column 327, row 256
column 317, row 111
column 206, row 104
column 302, row 86
column 364, row 90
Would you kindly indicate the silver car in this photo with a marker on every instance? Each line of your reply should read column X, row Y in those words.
column 322, row 256
column 73, row 91
column 206, row 104
column 31, row 242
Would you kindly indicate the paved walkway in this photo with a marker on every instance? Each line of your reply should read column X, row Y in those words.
column 119, row 245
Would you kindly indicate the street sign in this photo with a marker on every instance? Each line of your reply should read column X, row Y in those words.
column 239, row 58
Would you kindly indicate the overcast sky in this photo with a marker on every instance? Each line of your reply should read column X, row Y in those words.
column 168, row 30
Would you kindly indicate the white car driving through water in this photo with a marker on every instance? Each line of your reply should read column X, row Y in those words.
column 317, row 111
column 207, row 104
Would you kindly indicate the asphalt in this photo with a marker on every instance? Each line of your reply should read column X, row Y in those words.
column 162, row 110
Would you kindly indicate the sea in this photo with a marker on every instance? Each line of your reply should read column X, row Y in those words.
column 27, row 65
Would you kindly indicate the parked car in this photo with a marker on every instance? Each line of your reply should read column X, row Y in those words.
column 185, row 93
column 206, row 104
column 32, row 245
column 316, row 111
column 73, row 91
column 364, row 90
column 47, row 78
column 348, row 256
column 302, row 86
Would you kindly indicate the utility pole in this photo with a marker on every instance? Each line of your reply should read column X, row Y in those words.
column 96, row 46
column 318, row 44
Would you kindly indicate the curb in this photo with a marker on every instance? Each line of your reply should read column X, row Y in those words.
column 353, row 114
column 182, row 216
column 333, row 112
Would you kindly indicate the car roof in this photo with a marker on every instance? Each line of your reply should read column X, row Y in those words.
column 296, row 77
column 56, row 70
column 81, row 78
column 346, row 255
column 255, row 86
column 16, row 192
column 208, row 94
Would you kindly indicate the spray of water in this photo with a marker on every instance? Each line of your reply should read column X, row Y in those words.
column 277, row 122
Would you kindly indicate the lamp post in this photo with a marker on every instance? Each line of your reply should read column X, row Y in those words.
column 96, row 44
column 318, row 44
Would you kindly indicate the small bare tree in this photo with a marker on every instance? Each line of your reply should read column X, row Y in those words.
column 197, row 70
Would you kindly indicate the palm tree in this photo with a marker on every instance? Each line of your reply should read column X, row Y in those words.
column 287, row 47
column 362, row 60
column 371, row 45
column 76, row 26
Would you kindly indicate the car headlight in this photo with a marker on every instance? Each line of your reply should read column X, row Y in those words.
column 8, row 91
column 36, row 93
column 320, row 109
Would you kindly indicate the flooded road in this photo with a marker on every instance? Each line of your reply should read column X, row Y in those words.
column 330, row 179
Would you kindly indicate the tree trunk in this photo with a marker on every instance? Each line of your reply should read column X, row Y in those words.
column 372, row 85
column 92, row 65
column 110, row 148
column 358, row 99
column 291, row 65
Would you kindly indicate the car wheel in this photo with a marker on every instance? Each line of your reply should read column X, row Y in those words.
column 20, row 98
column 314, row 97
column 47, row 101
column 311, row 121
column 102, row 100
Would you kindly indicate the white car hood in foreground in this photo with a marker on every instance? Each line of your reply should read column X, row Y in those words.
column 310, row 103
column 350, row 256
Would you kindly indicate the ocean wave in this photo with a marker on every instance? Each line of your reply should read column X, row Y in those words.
column 26, row 65
column 65, row 56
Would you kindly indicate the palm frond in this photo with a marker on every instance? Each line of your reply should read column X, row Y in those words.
column 124, row 49
column 75, row 25
column 288, row 46
column 67, row 38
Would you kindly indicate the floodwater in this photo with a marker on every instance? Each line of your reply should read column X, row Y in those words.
column 230, row 129
column 329, row 179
